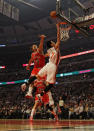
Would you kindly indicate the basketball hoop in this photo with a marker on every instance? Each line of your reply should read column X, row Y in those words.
column 64, row 31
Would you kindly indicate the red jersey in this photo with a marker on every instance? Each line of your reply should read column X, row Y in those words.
column 39, row 60
column 39, row 84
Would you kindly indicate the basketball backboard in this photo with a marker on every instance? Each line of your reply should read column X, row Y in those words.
column 77, row 18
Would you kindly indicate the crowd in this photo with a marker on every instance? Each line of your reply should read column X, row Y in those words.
column 68, row 104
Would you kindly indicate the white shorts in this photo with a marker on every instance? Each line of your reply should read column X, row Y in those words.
column 49, row 70
column 51, row 101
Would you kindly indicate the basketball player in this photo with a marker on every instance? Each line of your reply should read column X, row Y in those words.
column 47, row 99
column 38, row 58
column 50, row 69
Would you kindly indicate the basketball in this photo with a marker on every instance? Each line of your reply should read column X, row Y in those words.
column 53, row 14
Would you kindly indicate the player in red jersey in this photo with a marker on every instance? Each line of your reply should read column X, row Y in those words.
column 50, row 69
column 47, row 99
column 38, row 58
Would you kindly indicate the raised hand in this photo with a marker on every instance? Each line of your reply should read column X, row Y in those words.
column 28, row 67
column 42, row 36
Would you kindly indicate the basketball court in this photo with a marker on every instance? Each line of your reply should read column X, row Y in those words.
column 50, row 125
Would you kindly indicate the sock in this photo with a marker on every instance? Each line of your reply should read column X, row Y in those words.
column 34, row 89
column 32, row 113
column 47, row 89
column 31, row 79
column 30, row 89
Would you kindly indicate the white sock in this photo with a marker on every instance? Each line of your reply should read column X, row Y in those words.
column 32, row 113
column 30, row 89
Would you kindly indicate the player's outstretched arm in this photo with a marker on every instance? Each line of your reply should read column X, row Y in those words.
column 41, row 43
column 29, row 63
column 58, row 36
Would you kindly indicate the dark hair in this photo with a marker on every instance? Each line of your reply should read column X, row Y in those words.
column 48, row 44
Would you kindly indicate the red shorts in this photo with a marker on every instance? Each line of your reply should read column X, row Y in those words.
column 35, row 71
column 44, row 99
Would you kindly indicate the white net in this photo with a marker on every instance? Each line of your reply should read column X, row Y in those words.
column 64, row 32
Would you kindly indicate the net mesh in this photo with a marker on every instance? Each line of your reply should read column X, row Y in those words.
column 64, row 32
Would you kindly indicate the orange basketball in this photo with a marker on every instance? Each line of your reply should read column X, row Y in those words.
column 53, row 14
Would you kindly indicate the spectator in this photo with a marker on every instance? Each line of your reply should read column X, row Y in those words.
column 86, row 111
column 91, row 111
column 76, row 111
column 81, row 111
column 61, row 105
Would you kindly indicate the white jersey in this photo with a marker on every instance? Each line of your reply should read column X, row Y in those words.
column 50, row 69
column 54, row 56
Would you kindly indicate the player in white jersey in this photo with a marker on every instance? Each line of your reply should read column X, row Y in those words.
column 50, row 69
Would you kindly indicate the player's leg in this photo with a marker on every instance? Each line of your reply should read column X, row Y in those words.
column 33, row 110
column 41, row 73
column 29, row 92
column 29, row 84
column 49, row 70
column 51, row 76
column 51, row 106
column 37, row 103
